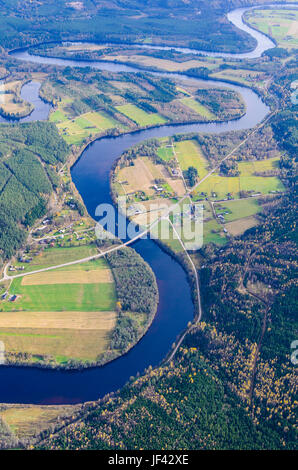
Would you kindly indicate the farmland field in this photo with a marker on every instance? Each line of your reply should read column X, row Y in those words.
column 138, row 177
column 166, row 153
column 139, row 116
column 213, row 233
column 141, row 177
column 61, row 344
column 189, row 154
column 250, row 167
column 11, row 103
column 165, row 232
column 237, row 227
column 198, row 108
column 62, row 297
column 58, row 116
column 56, row 256
column 63, row 314
column 77, row 129
column 246, row 181
column 11, row 107
column 56, row 320
column 26, row 421
column 246, row 77
column 260, row 184
column 73, row 277
column 238, row 209
column 282, row 25
column 162, row 64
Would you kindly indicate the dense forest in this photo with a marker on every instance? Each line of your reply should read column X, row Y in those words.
column 28, row 155
column 172, row 22
column 137, row 292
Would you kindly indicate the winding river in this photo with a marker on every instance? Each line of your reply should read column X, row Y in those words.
column 91, row 177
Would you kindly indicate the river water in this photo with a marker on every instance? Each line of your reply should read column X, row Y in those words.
column 91, row 177
column 30, row 92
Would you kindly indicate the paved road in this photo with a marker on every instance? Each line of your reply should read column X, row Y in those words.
column 70, row 263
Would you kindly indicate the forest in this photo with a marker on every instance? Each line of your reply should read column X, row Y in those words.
column 29, row 154
column 137, row 292
column 102, row 21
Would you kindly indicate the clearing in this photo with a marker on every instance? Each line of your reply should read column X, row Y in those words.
column 241, row 225
column 88, row 124
column 198, row 108
column 140, row 117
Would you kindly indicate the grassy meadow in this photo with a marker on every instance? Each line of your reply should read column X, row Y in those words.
column 238, row 227
column 189, row 154
column 213, row 233
column 88, row 124
column 161, row 64
column 27, row 421
column 198, row 108
column 63, row 314
column 11, row 103
column 140, row 117
column 54, row 256
column 217, row 186
column 62, row 297
column 238, row 209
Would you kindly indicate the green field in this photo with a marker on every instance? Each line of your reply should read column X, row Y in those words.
column 213, row 233
column 67, row 313
column 189, row 154
column 165, row 233
column 62, row 297
column 250, row 167
column 61, row 344
column 166, row 153
column 246, row 181
column 260, row 184
column 86, row 266
column 140, row 117
column 221, row 186
column 198, row 108
column 77, row 129
column 55, row 256
column 238, row 209
column 58, row 116
column 242, row 76
column 206, row 210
